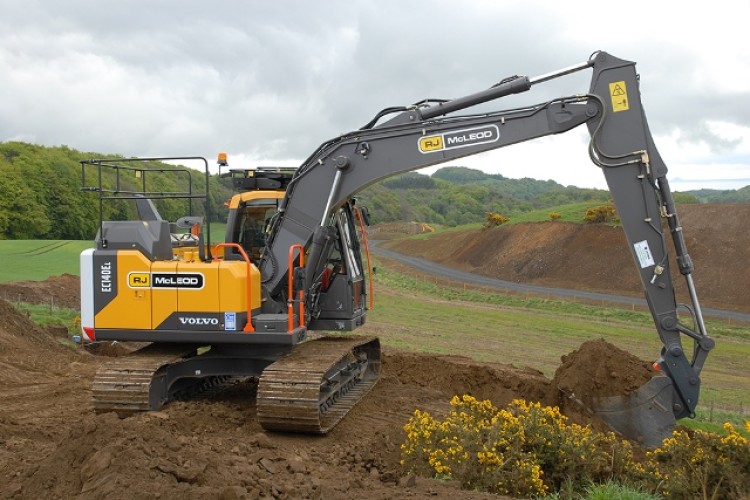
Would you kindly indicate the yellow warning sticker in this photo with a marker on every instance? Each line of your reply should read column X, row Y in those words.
column 431, row 143
column 619, row 94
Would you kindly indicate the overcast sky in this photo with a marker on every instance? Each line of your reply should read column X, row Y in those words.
column 269, row 81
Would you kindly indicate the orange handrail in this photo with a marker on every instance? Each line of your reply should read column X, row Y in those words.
column 290, row 293
column 367, row 252
column 249, row 325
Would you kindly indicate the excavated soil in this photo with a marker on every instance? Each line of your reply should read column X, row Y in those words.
column 52, row 445
column 597, row 257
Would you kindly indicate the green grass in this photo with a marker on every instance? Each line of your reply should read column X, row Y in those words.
column 35, row 260
column 490, row 326
column 569, row 213
column 46, row 315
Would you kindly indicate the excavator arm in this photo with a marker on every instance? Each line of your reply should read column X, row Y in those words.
column 433, row 132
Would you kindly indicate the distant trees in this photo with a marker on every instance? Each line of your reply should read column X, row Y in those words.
column 41, row 197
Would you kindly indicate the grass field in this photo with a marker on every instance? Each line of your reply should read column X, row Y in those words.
column 36, row 260
column 569, row 213
column 485, row 325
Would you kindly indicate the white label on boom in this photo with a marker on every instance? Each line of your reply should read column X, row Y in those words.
column 644, row 254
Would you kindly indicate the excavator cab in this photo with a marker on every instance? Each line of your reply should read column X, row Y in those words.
column 253, row 207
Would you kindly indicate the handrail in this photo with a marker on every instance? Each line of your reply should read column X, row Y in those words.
column 249, row 325
column 290, row 291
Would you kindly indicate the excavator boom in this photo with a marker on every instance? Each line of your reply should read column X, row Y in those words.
column 621, row 145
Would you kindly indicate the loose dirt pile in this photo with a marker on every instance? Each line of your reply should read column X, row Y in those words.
column 599, row 369
column 53, row 446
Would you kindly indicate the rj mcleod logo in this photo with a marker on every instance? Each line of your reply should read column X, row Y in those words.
column 193, row 281
column 459, row 139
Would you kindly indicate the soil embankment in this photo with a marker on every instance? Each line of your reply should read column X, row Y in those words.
column 597, row 257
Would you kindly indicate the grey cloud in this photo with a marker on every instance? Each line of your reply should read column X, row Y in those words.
column 275, row 79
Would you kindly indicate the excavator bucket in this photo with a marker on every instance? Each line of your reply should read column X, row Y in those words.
column 644, row 416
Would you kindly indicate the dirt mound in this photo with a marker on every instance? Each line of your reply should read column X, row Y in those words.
column 63, row 290
column 599, row 369
column 597, row 257
column 15, row 325
column 53, row 446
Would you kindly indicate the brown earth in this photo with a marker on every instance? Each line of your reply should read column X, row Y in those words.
column 52, row 445
column 597, row 257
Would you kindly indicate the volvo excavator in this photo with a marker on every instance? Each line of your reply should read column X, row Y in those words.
column 292, row 261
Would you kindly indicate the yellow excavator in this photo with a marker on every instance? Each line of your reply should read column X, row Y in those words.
column 293, row 260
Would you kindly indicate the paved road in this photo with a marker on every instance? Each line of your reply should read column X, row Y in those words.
column 435, row 269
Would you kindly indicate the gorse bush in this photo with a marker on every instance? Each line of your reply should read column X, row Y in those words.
column 492, row 219
column 602, row 213
column 530, row 450
column 699, row 464
column 523, row 450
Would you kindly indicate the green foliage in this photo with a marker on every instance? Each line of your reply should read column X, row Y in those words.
column 685, row 198
column 523, row 450
column 741, row 195
column 462, row 175
column 698, row 464
column 527, row 449
column 41, row 197
column 411, row 180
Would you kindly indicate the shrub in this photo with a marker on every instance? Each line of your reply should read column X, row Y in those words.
column 523, row 450
column 602, row 213
column 553, row 216
column 492, row 219
column 700, row 464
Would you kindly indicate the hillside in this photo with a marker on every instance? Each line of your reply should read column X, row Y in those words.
column 597, row 258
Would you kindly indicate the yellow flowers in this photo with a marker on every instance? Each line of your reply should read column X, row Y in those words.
column 529, row 450
column 523, row 450
column 698, row 464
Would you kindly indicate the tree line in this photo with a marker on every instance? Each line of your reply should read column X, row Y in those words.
column 41, row 196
